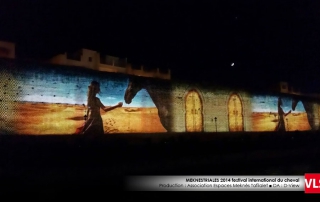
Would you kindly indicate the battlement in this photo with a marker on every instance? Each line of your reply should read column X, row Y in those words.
column 93, row 60
column 289, row 88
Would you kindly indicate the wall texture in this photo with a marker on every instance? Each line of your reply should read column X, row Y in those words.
column 45, row 99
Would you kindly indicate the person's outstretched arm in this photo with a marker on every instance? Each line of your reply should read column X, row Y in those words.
column 287, row 113
column 106, row 109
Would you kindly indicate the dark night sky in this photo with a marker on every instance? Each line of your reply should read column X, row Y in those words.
column 260, row 37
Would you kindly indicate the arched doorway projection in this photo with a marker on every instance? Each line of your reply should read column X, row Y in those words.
column 193, row 110
column 235, row 113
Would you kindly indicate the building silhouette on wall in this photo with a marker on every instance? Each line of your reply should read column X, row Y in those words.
column 184, row 105
column 93, row 60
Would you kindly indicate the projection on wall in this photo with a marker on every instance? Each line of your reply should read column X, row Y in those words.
column 49, row 99
column 274, row 113
column 40, row 99
column 193, row 111
column 235, row 113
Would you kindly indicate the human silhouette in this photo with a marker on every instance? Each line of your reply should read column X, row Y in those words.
column 94, row 124
column 281, row 115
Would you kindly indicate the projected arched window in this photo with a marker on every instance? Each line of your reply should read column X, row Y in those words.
column 235, row 113
column 193, row 110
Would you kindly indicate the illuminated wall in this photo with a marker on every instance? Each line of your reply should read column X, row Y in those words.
column 210, row 103
column 45, row 99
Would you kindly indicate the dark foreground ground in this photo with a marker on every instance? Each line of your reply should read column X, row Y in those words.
column 77, row 163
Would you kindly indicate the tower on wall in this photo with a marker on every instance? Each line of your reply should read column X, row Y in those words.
column 7, row 49
column 93, row 60
column 284, row 87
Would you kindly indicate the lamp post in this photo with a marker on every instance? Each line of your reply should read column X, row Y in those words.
column 215, row 120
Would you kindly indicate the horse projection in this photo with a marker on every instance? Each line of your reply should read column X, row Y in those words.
column 45, row 99
column 159, row 92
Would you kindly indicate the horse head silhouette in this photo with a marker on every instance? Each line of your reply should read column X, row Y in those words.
column 159, row 92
